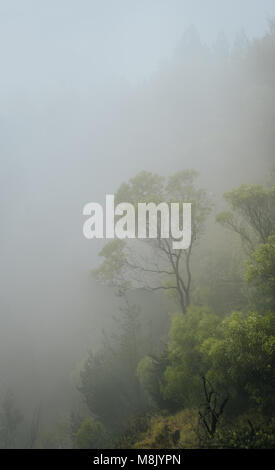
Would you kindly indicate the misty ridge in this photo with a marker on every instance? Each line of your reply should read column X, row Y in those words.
column 86, row 328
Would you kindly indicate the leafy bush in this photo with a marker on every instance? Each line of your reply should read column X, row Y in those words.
column 92, row 435
column 244, row 436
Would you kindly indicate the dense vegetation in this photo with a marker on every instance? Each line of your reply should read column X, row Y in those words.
column 211, row 383
column 207, row 378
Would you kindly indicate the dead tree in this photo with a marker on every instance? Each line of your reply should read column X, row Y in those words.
column 212, row 409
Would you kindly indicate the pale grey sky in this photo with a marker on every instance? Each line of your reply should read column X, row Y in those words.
column 53, row 44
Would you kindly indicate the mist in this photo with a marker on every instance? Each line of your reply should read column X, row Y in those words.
column 92, row 93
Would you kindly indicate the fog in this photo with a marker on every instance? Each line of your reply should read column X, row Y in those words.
column 91, row 93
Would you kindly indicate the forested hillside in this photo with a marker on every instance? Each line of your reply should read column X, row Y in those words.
column 147, row 346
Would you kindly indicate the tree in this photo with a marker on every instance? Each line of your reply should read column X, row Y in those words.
column 213, row 408
column 155, row 264
column 245, row 434
column 260, row 273
column 108, row 379
column 57, row 437
column 241, row 358
column 150, row 372
column 92, row 435
column 252, row 215
column 10, row 418
column 187, row 364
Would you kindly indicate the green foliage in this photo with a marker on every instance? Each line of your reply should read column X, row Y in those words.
column 181, row 188
column 150, row 372
column 260, row 273
column 132, row 431
column 242, row 358
column 57, row 437
column 243, row 434
column 156, row 265
column 144, row 187
column 110, row 391
column 176, row 431
column 218, row 278
column 147, row 375
column 234, row 352
column 114, row 257
column 10, row 418
column 92, row 435
column 186, row 362
column 253, row 216
column 108, row 379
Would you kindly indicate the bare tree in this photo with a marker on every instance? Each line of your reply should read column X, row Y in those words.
column 212, row 409
column 153, row 264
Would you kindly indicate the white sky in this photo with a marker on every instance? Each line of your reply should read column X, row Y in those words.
column 53, row 44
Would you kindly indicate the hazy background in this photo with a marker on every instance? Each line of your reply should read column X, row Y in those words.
column 91, row 92
column 64, row 44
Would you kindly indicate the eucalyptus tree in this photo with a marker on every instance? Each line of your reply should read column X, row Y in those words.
column 155, row 264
